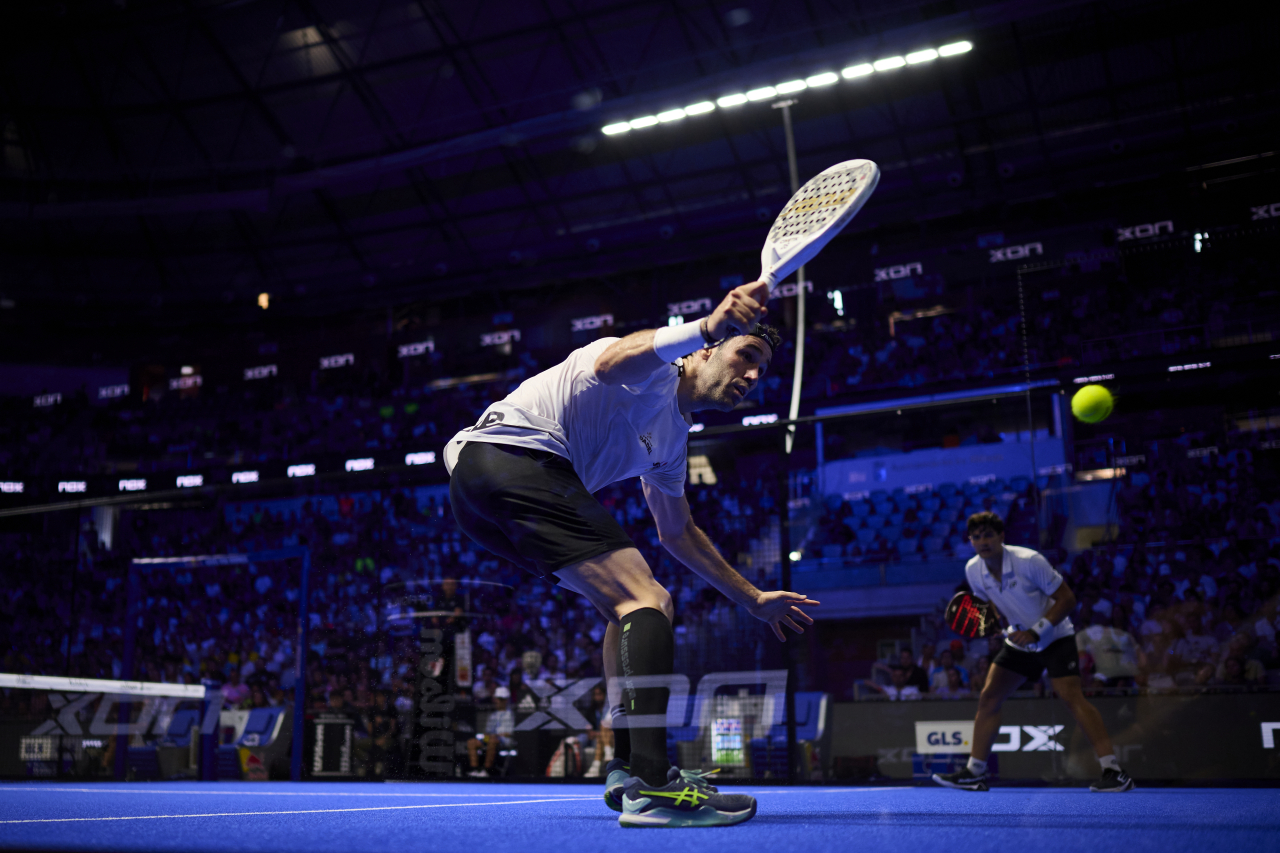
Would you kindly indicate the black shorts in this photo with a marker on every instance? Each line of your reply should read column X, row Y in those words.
column 530, row 507
column 1061, row 659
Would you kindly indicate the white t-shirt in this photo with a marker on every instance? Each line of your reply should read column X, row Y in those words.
column 1023, row 594
column 608, row 432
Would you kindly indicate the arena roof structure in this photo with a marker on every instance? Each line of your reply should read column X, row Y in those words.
column 338, row 153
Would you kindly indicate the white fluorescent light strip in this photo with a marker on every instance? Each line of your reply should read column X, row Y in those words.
column 825, row 78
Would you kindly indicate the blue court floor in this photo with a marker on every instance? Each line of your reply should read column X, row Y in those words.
column 439, row 818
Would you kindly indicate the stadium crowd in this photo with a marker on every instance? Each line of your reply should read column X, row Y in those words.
column 1088, row 313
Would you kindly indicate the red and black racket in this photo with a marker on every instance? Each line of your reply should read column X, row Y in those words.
column 970, row 616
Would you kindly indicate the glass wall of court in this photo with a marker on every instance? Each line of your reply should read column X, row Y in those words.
column 317, row 630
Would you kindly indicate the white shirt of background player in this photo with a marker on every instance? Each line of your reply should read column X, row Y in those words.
column 1024, row 593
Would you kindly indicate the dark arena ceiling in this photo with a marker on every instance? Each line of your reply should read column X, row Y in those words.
column 340, row 154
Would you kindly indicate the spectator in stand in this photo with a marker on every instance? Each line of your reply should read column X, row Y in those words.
column 954, row 687
column 1113, row 650
column 1236, row 655
column 600, row 734
column 499, row 731
column 1195, row 655
column 916, row 677
column 898, row 690
column 938, row 676
column 927, row 661
column 233, row 692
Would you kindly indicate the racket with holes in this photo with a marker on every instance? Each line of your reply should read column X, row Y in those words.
column 815, row 214
column 970, row 616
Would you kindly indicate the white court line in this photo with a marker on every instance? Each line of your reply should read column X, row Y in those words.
column 306, row 811
column 243, row 790
column 47, row 789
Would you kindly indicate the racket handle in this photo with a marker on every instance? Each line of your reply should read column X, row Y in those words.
column 770, row 279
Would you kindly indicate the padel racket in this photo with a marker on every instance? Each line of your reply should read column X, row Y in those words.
column 815, row 214
column 970, row 616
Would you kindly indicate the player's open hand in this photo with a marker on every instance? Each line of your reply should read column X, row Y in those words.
column 783, row 608
column 739, row 311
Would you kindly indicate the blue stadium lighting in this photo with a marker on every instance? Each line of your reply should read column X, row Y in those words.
column 764, row 93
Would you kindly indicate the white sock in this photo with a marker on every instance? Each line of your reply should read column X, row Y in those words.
column 976, row 767
column 1109, row 762
column 608, row 754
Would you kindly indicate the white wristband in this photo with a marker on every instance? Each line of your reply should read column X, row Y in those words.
column 1042, row 627
column 672, row 342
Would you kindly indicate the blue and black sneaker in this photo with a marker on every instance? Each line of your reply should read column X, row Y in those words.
column 687, row 799
column 616, row 772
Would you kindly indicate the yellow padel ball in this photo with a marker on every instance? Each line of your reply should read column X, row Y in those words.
column 1092, row 404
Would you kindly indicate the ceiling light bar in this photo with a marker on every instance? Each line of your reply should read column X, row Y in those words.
column 824, row 78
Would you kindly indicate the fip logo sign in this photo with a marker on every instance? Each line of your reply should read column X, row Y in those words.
column 946, row 736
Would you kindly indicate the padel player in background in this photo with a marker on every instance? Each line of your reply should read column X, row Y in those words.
column 1032, row 596
column 522, row 484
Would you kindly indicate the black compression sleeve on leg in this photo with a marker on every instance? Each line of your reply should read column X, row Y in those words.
column 648, row 649
column 621, row 734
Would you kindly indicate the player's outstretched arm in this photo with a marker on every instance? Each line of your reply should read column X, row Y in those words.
column 633, row 359
column 685, row 541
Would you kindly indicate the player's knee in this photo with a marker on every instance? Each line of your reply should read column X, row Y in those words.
column 666, row 605
column 654, row 596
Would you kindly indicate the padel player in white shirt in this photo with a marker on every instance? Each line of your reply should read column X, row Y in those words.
column 1034, row 599
column 521, row 484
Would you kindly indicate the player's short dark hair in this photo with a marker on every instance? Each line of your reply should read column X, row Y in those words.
column 979, row 520
column 768, row 334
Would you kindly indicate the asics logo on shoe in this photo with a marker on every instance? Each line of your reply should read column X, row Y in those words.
column 688, row 795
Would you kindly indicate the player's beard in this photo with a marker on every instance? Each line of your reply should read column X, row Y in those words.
column 715, row 385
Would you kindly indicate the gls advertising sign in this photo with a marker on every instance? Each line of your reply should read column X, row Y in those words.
column 956, row 736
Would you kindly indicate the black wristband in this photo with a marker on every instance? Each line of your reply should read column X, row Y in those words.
column 706, row 336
